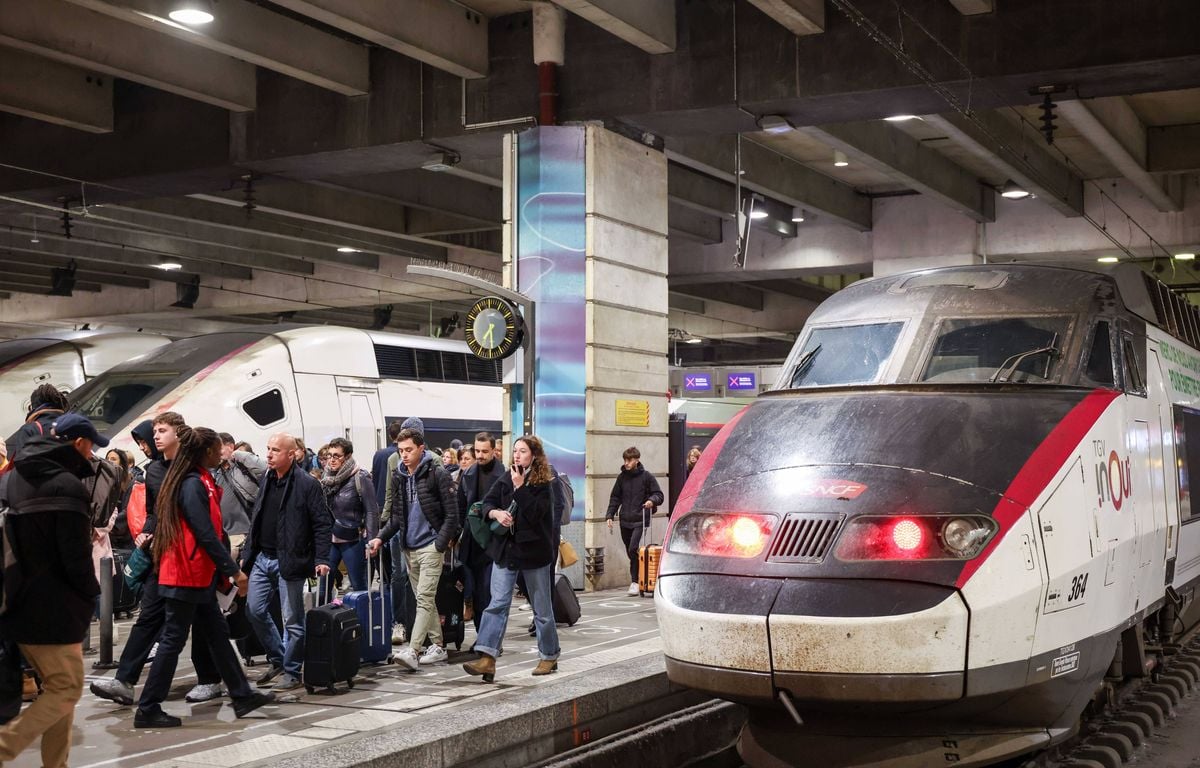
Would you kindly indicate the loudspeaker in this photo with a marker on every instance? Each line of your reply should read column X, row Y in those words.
column 62, row 281
column 187, row 293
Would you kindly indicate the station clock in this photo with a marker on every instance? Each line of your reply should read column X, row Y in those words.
column 494, row 329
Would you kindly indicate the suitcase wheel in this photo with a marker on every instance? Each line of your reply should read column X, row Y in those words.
column 350, row 684
column 309, row 688
column 331, row 689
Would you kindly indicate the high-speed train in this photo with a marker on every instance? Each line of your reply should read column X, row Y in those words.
column 65, row 360
column 969, row 490
column 316, row 382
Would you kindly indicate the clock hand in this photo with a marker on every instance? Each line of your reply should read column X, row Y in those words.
column 488, row 337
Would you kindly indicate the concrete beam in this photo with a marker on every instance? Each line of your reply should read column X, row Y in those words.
column 55, row 93
column 685, row 303
column 800, row 17
column 648, row 24
column 437, row 32
column 105, row 271
column 252, row 33
column 35, row 284
column 693, row 225
column 12, row 267
column 771, row 174
column 1115, row 130
column 891, row 151
column 1023, row 159
column 1173, row 148
column 431, row 191
column 700, row 193
column 71, row 35
column 796, row 289
column 735, row 294
column 974, row 7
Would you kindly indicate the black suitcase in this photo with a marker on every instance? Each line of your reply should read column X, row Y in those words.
column 449, row 602
column 331, row 646
column 125, row 600
column 566, row 604
column 404, row 603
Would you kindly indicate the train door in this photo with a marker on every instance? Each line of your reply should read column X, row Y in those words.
column 1163, row 453
column 362, row 418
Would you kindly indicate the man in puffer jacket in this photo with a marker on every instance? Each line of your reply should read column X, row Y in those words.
column 635, row 494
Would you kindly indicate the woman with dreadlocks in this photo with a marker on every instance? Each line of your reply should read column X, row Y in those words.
column 46, row 404
column 190, row 556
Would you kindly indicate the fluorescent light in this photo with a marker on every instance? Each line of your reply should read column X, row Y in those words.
column 797, row 215
column 758, row 215
column 443, row 161
column 193, row 13
column 169, row 266
column 1013, row 191
column 901, row 118
column 774, row 124
column 839, row 159
column 1108, row 259
column 347, row 249
column 695, row 340
column 1185, row 257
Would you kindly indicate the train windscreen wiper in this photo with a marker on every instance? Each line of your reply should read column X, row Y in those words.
column 805, row 363
column 1010, row 365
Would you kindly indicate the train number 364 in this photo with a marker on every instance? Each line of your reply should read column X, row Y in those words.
column 1078, row 587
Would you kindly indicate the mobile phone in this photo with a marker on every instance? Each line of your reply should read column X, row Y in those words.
column 520, row 469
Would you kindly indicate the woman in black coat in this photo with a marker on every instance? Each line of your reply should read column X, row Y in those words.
column 522, row 505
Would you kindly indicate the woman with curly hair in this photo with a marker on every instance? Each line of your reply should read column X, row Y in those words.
column 190, row 555
column 522, row 503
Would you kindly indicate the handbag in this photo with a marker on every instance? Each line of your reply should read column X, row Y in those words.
column 137, row 567
column 567, row 554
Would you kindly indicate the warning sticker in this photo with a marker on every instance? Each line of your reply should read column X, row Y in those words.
column 1065, row 664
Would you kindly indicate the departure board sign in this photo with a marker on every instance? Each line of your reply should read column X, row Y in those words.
column 742, row 382
column 697, row 382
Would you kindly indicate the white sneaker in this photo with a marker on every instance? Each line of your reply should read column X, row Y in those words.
column 207, row 692
column 434, row 654
column 398, row 637
column 407, row 657
column 634, row 591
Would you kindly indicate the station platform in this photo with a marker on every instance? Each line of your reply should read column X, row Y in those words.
column 439, row 716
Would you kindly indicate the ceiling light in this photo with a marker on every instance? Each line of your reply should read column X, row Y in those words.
column 839, row 159
column 901, row 118
column 1108, row 259
column 193, row 13
column 758, row 214
column 1185, row 256
column 695, row 340
column 169, row 266
column 797, row 215
column 347, row 249
column 1013, row 191
column 443, row 161
column 774, row 124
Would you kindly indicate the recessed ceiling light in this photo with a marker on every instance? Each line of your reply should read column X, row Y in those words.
column 347, row 249
column 1185, row 256
column 774, row 124
column 169, row 266
column 839, row 159
column 758, row 215
column 1013, row 191
column 797, row 215
column 901, row 118
column 193, row 13
column 1108, row 259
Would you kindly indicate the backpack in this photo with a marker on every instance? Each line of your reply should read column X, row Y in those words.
column 11, row 578
column 562, row 486
column 105, row 484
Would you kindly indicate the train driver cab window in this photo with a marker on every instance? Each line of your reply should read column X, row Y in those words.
column 849, row 354
column 1187, row 457
column 998, row 350
column 1135, row 380
column 265, row 409
column 1099, row 366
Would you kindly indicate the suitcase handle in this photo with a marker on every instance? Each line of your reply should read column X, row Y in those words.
column 382, row 596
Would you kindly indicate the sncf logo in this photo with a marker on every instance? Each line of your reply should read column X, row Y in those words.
column 832, row 489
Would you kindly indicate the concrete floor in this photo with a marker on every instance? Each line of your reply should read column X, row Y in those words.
column 614, row 628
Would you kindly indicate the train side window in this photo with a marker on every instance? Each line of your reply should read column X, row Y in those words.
column 265, row 409
column 1187, row 457
column 1100, row 358
column 1135, row 382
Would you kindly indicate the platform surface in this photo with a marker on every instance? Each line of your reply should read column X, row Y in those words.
column 614, row 628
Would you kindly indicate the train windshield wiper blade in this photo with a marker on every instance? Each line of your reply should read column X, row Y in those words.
column 1009, row 366
column 805, row 363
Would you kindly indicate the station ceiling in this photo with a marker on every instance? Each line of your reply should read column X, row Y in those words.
column 248, row 151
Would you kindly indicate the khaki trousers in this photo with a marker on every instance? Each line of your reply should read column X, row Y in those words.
column 51, row 716
column 424, row 573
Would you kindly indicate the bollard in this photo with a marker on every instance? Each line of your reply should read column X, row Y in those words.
column 106, row 615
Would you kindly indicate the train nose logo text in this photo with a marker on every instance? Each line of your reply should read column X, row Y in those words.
column 1114, row 480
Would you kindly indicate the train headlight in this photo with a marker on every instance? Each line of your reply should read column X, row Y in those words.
column 721, row 534
column 914, row 537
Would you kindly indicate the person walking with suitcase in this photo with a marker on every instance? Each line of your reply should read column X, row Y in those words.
column 522, row 502
column 634, row 496
column 350, row 495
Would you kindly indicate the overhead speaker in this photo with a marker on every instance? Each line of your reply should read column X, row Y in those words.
column 187, row 293
column 62, row 280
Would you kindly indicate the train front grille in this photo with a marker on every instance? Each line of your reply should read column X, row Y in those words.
column 804, row 538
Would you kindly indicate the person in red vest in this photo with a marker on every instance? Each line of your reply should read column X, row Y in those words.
column 191, row 557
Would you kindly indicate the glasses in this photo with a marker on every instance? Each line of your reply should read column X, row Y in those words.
column 335, row 456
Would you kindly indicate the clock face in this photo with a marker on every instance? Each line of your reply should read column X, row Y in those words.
column 494, row 329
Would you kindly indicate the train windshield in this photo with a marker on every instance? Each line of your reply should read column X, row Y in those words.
column 995, row 350
column 848, row 354
column 108, row 402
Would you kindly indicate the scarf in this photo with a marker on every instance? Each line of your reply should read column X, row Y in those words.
column 332, row 483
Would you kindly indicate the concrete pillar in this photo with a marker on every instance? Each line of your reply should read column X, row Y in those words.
column 586, row 236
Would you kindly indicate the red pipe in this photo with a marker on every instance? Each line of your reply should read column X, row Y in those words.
column 548, row 93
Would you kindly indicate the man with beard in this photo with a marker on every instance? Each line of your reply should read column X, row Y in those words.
column 473, row 485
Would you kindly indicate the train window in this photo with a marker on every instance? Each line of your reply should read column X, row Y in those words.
column 850, row 354
column 1187, row 457
column 106, row 399
column 454, row 364
column 1024, row 349
column 266, row 409
column 1100, row 358
column 429, row 365
column 1135, row 382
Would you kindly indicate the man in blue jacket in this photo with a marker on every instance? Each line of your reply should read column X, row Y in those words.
column 289, row 542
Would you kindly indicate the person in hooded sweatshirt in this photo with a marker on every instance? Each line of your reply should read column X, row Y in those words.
column 425, row 515
column 635, row 494
column 45, row 405
column 51, row 536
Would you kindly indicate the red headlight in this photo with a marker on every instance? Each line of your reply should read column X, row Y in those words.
column 915, row 537
column 721, row 535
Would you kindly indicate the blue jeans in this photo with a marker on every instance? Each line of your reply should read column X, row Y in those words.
column 286, row 651
column 539, row 582
column 354, row 555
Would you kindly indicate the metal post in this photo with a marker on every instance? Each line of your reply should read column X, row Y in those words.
column 106, row 615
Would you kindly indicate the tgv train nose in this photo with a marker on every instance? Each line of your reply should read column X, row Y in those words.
column 833, row 641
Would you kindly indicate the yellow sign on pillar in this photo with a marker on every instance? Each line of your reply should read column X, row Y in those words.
column 633, row 413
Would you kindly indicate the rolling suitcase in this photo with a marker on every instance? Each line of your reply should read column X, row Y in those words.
column 564, row 601
column 449, row 601
column 649, row 556
column 332, row 644
column 374, row 609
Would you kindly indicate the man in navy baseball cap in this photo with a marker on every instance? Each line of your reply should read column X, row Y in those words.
column 73, row 426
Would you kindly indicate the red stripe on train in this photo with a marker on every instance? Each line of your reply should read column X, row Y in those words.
column 704, row 465
column 1040, row 468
